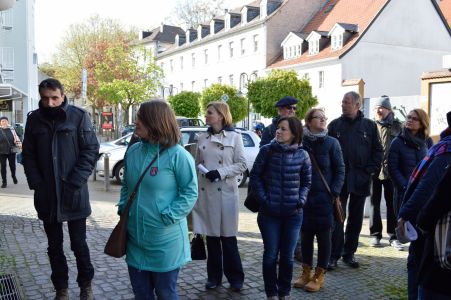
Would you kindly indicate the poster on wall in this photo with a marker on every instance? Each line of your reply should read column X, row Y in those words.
column 440, row 104
column 107, row 120
column 6, row 105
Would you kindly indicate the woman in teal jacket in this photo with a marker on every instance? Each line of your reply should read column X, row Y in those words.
column 158, row 242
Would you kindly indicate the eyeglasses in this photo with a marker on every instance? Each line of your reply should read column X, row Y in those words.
column 413, row 118
column 320, row 118
column 290, row 107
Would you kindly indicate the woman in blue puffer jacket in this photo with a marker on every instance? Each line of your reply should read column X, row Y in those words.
column 318, row 211
column 281, row 178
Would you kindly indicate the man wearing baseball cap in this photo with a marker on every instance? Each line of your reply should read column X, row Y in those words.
column 286, row 107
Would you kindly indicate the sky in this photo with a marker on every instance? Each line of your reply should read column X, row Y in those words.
column 53, row 17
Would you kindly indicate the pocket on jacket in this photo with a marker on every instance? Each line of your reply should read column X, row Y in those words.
column 71, row 198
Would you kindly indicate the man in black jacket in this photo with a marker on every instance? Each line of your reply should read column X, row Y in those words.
column 59, row 152
column 362, row 154
column 388, row 127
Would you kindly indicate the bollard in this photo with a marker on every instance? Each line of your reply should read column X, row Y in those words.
column 106, row 171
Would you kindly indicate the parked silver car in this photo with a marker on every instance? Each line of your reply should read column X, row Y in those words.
column 116, row 151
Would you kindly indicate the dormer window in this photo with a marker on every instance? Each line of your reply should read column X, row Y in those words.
column 340, row 33
column 337, row 42
column 293, row 45
column 313, row 47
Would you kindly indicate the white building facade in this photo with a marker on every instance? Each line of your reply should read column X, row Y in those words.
column 18, row 61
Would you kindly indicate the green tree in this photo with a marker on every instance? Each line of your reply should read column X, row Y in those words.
column 237, row 104
column 264, row 92
column 186, row 104
column 127, row 76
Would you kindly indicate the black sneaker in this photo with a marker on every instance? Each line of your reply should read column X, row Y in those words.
column 351, row 262
column 332, row 264
column 3, row 185
column 15, row 180
column 236, row 287
column 211, row 285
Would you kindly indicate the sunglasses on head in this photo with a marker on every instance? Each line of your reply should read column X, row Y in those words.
column 290, row 107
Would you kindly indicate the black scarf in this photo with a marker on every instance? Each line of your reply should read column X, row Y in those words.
column 416, row 141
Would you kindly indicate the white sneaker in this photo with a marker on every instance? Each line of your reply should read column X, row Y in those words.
column 397, row 245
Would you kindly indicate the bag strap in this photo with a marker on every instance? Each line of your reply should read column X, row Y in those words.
column 135, row 189
column 315, row 164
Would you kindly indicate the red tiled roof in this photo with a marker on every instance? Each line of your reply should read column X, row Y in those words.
column 358, row 12
column 445, row 7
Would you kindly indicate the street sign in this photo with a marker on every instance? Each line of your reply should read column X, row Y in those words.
column 225, row 97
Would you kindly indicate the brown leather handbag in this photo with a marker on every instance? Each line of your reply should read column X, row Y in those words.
column 338, row 209
column 116, row 245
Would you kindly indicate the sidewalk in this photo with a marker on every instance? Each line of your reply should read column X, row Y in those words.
column 23, row 247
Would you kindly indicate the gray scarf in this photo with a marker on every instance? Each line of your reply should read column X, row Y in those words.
column 314, row 136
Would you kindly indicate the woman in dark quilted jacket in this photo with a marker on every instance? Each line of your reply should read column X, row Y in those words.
column 318, row 211
column 281, row 178
column 406, row 151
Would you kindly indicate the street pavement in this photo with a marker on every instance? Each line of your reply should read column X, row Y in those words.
column 23, row 247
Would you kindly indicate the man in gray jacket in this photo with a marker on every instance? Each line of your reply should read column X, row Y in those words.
column 59, row 152
column 362, row 154
column 388, row 127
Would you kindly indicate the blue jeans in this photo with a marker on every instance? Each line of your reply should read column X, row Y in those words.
column 425, row 294
column 145, row 283
column 279, row 235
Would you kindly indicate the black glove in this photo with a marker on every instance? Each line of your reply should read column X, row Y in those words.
column 213, row 175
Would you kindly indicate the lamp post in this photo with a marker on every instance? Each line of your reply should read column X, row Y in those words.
column 170, row 89
column 245, row 79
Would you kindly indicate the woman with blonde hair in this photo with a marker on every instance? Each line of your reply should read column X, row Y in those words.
column 407, row 150
column 220, row 150
column 157, row 244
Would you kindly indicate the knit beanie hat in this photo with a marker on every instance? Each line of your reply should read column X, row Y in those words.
column 383, row 101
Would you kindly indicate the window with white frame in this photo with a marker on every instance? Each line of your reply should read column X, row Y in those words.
column 243, row 46
column 321, row 79
column 171, row 65
column 306, row 76
column 313, row 47
column 220, row 79
column 193, row 85
column 162, row 66
column 231, row 49
column 6, row 19
column 205, row 83
column 206, row 56
column 193, row 59
column 181, row 62
column 337, row 41
column 256, row 42
column 231, row 79
column 181, row 86
column 219, row 52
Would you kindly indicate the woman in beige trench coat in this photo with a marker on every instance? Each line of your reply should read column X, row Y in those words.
column 221, row 152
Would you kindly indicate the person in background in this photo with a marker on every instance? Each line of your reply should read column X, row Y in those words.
column 433, row 279
column 286, row 107
column 281, row 178
column 406, row 151
column 318, row 210
column 220, row 150
column 422, row 182
column 8, row 139
column 59, row 152
column 388, row 127
column 362, row 154
column 157, row 244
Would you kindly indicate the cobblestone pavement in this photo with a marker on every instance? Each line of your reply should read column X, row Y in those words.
column 23, row 244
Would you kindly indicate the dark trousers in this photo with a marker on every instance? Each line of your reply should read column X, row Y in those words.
column 146, row 284
column 12, row 165
column 223, row 255
column 58, row 263
column 324, row 247
column 344, row 243
column 375, row 208
column 398, row 195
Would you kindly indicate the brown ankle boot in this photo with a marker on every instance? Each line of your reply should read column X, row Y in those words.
column 62, row 294
column 86, row 292
column 304, row 277
column 317, row 281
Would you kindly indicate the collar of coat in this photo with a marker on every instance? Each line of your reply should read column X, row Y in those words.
column 223, row 130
